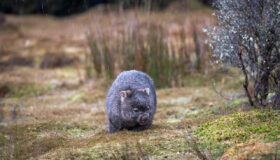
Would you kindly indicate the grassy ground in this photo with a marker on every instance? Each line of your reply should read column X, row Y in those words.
column 50, row 111
column 67, row 121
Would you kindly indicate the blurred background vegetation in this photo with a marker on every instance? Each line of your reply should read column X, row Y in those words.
column 165, row 50
column 67, row 7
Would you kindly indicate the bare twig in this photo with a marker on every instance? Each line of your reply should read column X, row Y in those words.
column 246, row 81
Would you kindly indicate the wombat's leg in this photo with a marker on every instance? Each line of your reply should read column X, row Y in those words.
column 114, row 127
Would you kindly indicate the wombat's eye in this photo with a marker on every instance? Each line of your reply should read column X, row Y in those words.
column 135, row 109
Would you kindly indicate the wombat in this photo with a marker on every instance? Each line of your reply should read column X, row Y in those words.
column 131, row 102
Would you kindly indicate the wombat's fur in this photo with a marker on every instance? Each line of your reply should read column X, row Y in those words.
column 131, row 102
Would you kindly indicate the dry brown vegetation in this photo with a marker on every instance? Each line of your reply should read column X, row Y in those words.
column 166, row 48
column 49, row 109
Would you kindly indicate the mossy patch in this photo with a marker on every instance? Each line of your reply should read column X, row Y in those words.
column 261, row 125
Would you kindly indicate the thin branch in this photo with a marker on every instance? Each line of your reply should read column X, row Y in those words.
column 246, row 81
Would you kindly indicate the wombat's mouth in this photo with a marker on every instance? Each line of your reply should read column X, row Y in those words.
column 142, row 123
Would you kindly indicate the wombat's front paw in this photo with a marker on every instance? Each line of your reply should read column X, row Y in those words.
column 112, row 128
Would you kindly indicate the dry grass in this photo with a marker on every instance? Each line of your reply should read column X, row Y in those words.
column 70, row 123
column 259, row 150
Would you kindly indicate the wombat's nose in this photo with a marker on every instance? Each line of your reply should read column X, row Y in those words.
column 143, row 119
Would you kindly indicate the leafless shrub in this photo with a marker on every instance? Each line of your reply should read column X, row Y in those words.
column 248, row 37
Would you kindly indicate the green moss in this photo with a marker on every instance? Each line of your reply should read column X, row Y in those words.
column 66, row 129
column 28, row 90
column 73, row 130
column 240, row 127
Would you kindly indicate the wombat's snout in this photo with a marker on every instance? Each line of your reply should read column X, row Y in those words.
column 143, row 119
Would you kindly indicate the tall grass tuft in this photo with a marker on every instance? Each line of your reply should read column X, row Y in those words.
column 95, row 56
column 100, row 58
column 93, row 59
column 109, row 63
column 162, row 63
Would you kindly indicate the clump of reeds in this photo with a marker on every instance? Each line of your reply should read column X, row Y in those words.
column 95, row 58
column 146, row 48
column 162, row 62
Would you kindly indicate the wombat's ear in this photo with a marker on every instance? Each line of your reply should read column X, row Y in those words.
column 146, row 90
column 125, row 94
